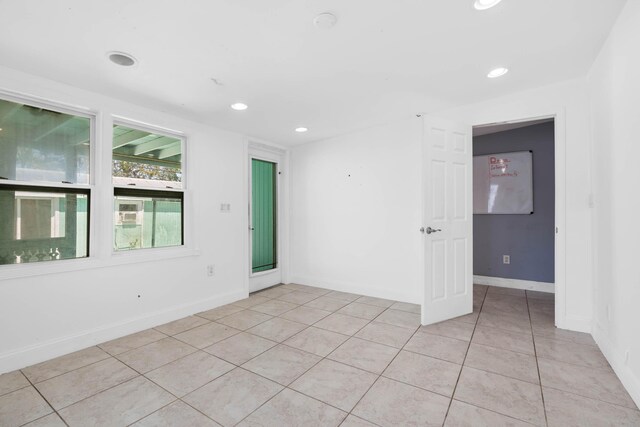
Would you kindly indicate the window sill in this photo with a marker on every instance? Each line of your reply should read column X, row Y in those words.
column 15, row 271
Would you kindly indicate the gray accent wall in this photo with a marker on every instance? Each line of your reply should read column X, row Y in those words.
column 528, row 239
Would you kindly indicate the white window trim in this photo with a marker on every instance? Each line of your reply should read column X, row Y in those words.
column 150, row 253
column 10, row 271
column 101, row 189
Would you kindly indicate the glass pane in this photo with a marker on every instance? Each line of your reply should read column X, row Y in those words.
column 41, row 225
column 43, row 145
column 147, row 222
column 263, row 215
column 145, row 159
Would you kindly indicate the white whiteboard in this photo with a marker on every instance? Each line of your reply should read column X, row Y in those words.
column 503, row 183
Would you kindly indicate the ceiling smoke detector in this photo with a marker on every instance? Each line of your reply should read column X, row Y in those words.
column 122, row 58
column 325, row 20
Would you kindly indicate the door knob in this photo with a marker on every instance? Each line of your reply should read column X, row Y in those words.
column 429, row 230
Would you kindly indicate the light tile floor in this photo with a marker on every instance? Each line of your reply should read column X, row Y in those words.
column 296, row 355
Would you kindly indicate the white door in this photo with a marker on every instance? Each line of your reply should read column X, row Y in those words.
column 447, row 215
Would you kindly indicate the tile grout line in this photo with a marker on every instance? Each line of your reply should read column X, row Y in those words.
column 323, row 358
column 55, row 411
column 535, row 352
column 380, row 375
column 453, row 392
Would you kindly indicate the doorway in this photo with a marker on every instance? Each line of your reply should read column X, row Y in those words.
column 514, row 221
column 265, row 207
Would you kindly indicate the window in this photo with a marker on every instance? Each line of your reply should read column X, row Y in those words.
column 44, row 183
column 148, row 197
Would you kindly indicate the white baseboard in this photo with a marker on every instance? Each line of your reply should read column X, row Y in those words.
column 36, row 353
column 575, row 323
column 615, row 357
column 356, row 288
column 514, row 283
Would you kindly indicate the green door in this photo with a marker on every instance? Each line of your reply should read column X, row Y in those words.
column 263, row 215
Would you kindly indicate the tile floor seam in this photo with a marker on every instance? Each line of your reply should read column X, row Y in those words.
column 326, row 357
column 109, row 356
column 535, row 352
column 453, row 392
column 380, row 376
column 148, row 415
column 505, row 375
column 417, row 386
column 475, row 405
column 198, row 410
column 219, row 376
column 17, row 389
column 46, row 401
column 160, row 366
column 186, row 330
column 215, row 342
column 595, row 368
column 102, row 391
column 637, row 409
column 114, row 355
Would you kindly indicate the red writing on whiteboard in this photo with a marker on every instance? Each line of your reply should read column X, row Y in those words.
column 500, row 167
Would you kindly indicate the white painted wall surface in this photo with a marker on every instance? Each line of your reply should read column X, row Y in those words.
column 614, row 90
column 48, row 315
column 355, row 212
column 569, row 100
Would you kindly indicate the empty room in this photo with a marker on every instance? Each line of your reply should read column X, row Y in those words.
column 319, row 213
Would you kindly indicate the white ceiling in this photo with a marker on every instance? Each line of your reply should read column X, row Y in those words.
column 383, row 60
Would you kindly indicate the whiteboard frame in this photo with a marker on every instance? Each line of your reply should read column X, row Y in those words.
column 532, row 211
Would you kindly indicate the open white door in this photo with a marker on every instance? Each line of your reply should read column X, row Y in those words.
column 448, row 220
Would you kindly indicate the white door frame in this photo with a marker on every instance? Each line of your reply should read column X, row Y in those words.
column 560, row 142
column 279, row 156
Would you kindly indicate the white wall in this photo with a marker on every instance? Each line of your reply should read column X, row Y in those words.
column 614, row 90
column 57, row 312
column 359, row 233
column 569, row 103
column 355, row 212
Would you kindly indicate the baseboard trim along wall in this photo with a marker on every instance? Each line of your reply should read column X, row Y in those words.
column 514, row 283
column 356, row 289
column 30, row 355
column 615, row 357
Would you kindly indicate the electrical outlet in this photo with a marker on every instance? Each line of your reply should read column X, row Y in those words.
column 211, row 270
column 506, row 259
column 626, row 357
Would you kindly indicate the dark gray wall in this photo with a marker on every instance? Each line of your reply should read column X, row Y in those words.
column 529, row 239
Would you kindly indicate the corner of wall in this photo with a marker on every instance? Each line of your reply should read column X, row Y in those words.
column 613, row 355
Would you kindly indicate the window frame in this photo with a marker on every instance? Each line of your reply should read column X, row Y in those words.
column 134, row 192
column 87, row 189
column 58, row 190
column 147, row 191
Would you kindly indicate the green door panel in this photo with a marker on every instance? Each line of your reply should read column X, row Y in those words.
column 263, row 214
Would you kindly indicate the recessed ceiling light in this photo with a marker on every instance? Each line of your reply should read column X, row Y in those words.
column 122, row 58
column 497, row 72
column 485, row 4
column 301, row 129
column 325, row 20
column 239, row 106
